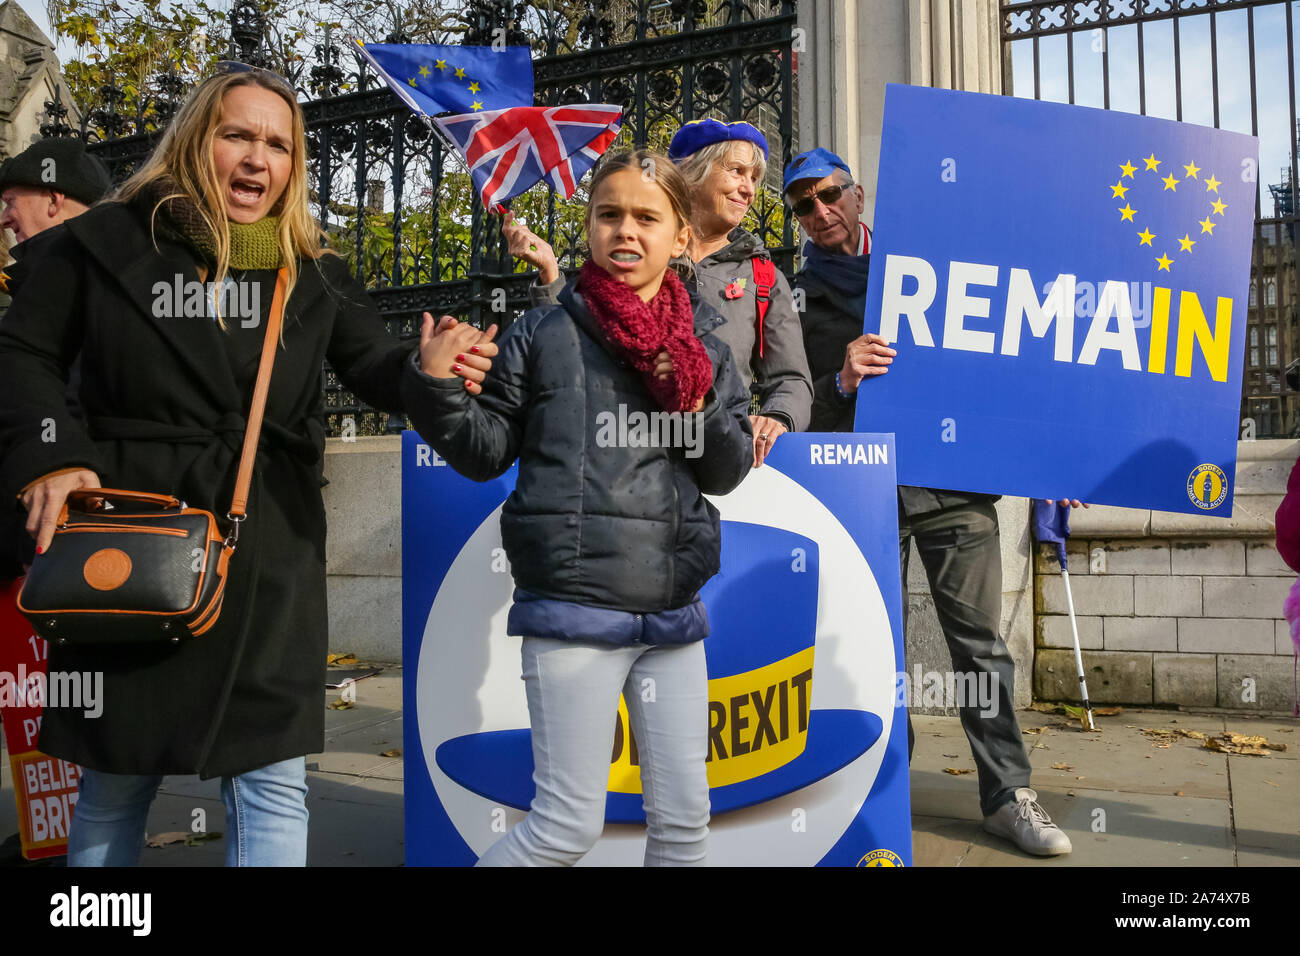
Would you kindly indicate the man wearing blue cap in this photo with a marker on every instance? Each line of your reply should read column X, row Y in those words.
column 956, row 533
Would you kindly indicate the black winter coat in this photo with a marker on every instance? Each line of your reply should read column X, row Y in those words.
column 626, row 528
column 163, row 414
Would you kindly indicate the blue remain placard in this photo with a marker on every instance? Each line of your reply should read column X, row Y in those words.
column 1066, row 288
column 807, row 730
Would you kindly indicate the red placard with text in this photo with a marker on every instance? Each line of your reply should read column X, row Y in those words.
column 45, row 787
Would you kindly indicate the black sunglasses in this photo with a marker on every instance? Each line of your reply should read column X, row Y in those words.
column 831, row 194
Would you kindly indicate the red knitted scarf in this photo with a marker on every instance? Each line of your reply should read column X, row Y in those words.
column 639, row 331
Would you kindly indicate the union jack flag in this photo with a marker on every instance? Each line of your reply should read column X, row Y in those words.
column 510, row 150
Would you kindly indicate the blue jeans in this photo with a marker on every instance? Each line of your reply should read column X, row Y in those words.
column 573, row 689
column 266, row 817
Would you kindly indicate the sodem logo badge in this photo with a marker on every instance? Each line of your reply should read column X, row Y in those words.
column 881, row 858
column 1207, row 487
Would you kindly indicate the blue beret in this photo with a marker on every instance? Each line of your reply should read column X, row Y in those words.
column 814, row 164
column 697, row 134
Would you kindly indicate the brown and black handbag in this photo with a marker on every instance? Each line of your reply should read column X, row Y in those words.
column 135, row 567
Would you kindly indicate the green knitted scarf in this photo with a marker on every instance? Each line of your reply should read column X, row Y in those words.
column 252, row 246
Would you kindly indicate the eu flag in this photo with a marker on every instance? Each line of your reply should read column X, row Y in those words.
column 434, row 79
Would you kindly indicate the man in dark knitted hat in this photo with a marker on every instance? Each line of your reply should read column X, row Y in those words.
column 49, row 183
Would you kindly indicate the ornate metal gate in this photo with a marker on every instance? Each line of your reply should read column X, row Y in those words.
column 402, row 211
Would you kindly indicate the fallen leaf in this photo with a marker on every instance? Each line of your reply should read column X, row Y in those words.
column 951, row 756
column 340, row 705
column 1080, row 778
column 1033, row 730
column 1062, row 765
column 1069, row 793
column 1270, row 783
column 1222, row 746
column 1041, row 747
column 166, row 839
column 390, row 753
column 176, row 836
column 1163, row 746
column 1255, row 740
column 348, row 658
column 955, row 771
column 1178, row 793
column 1107, row 711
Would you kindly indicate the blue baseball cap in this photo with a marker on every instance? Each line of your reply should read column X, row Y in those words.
column 697, row 134
column 814, row 164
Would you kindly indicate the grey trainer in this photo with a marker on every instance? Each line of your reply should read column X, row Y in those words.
column 1028, row 826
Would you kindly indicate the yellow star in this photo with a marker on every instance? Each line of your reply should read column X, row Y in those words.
column 1171, row 182
column 1117, row 191
column 1126, row 214
column 440, row 64
column 1192, row 170
column 1152, row 163
column 1145, row 237
column 1186, row 242
column 1207, row 225
column 474, row 87
column 1212, row 185
column 424, row 71
column 411, row 81
column 1128, row 169
column 1164, row 263
column 460, row 73
column 1219, row 205
column 476, row 106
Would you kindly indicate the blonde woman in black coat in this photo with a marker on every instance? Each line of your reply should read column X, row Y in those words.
column 164, row 394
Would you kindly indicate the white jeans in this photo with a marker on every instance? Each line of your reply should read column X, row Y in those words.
column 573, row 689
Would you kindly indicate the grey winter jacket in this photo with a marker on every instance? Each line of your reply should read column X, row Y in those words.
column 784, row 386
column 598, row 517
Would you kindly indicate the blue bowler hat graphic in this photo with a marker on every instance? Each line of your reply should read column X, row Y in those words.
column 765, row 740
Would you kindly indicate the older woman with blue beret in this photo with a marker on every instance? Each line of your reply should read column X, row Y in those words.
column 729, row 269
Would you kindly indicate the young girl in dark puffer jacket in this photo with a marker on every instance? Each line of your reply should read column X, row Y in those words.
column 623, row 412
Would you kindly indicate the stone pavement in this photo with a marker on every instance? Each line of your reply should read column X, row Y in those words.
column 1125, row 800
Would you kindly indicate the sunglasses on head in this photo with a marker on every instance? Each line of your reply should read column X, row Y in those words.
column 831, row 194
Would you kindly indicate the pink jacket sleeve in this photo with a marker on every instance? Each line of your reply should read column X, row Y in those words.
column 1288, row 521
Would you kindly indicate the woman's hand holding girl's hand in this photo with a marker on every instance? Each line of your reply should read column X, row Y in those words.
column 525, row 244
column 44, row 500
column 450, row 348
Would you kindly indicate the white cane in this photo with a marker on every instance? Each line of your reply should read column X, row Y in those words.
column 1078, row 654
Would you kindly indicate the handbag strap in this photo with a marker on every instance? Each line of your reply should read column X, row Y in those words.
column 252, row 433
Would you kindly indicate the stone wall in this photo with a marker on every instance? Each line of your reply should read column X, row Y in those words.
column 1172, row 609
column 363, row 512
